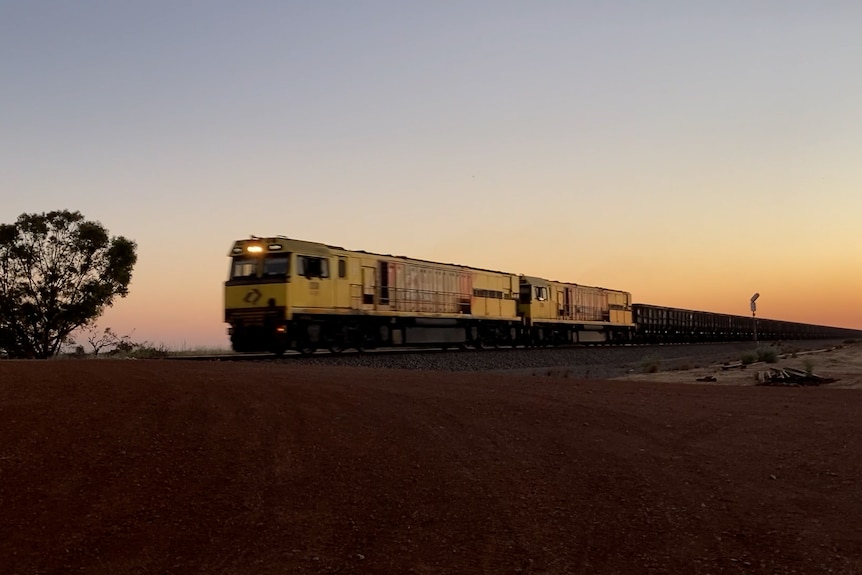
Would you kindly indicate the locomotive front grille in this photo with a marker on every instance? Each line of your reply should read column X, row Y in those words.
column 253, row 316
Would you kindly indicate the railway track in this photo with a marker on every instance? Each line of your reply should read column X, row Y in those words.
column 321, row 353
column 395, row 351
column 582, row 362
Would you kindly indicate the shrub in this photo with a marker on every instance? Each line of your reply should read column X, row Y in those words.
column 146, row 350
column 139, row 350
column 809, row 366
column 748, row 358
column 651, row 364
column 767, row 354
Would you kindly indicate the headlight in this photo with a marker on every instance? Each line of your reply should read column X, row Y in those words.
column 254, row 249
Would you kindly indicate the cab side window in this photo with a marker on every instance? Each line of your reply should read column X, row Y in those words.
column 312, row 267
column 541, row 293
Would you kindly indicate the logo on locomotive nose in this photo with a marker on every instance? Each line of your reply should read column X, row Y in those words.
column 252, row 296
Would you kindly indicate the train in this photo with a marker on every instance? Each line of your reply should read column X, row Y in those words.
column 288, row 294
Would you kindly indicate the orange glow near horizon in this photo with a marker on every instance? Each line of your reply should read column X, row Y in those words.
column 164, row 314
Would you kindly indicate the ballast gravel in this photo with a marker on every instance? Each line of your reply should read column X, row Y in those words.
column 596, row 362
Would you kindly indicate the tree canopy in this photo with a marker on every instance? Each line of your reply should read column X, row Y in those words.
column 58, row 272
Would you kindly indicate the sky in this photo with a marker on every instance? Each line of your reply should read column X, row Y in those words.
column 691, row 153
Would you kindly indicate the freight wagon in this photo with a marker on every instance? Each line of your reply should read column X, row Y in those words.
column 658, row 324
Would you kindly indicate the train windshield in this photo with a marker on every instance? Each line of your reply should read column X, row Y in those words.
column 243, row 268
column 276, row 266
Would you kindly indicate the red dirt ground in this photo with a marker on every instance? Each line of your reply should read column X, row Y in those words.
column 173, row 467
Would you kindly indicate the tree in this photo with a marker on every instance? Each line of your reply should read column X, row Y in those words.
column 58, row 272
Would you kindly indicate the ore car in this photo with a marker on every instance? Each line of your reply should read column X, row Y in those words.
column 658, row 324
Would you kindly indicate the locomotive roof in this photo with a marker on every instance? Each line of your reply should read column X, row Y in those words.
column 535, row 280
column 318, row 245
column 339, row 248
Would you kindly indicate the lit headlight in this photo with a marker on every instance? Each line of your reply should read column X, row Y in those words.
column 254, row 249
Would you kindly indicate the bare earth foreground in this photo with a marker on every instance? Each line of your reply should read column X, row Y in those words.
column 172, row 467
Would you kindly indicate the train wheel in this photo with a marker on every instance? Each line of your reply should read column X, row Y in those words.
column 338, row 339
column 541, row 338
column 483, row 342
column 307, row 349
column 363, row 342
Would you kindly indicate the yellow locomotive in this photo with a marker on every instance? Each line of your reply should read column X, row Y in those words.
column 556, row 312
column 285, row 294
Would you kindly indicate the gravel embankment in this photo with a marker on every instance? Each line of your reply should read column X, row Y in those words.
column 587, row 362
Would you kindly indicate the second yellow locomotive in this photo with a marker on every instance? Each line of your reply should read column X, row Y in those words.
column 285, row 294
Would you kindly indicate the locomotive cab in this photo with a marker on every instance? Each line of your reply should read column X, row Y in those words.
column 277, row 287
column 533, row 299
column 256, row 295
column 557, row 312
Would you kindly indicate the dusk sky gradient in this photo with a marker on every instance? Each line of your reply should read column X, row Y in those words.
column 691, row 153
